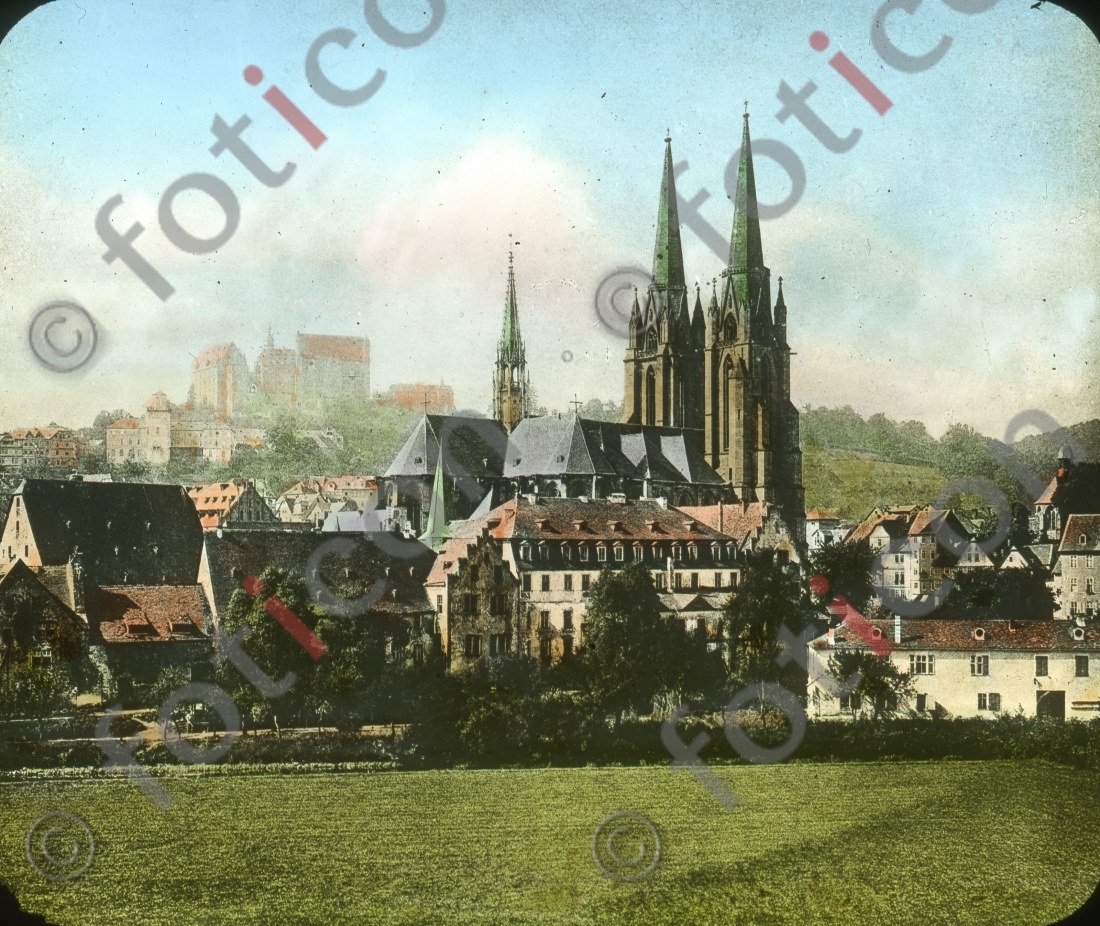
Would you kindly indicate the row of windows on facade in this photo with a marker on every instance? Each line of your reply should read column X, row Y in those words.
column 498, row 603
column 925, row 664
column 1090, row 586
column 501, row 643
column 987, row 701
column 718, row 552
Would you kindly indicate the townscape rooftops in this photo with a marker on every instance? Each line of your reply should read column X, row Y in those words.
column 212, row 355
column 124, row 423
column 958, row 634
column 823, row 514
column 739, row 520
column 141, row 614
column 1081, row 534
column 123, row 532
column 333, row 347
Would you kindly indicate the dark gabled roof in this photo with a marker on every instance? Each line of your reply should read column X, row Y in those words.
column 571, row 445
column 474, row 447
column 124, row 533
column 1078, row 526
column 239, row 553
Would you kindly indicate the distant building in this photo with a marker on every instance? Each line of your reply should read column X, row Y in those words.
column 1077, row 570
column 423, row 397
column 175, row 432
column 236, row 503
column 823, row 526
column 220, row 379
column 28, row 449
column 275, row 371
column 332, row 367
column 1075, row 489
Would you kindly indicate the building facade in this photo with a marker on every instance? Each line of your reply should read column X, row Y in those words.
column 220, row 379
column 1077, row 569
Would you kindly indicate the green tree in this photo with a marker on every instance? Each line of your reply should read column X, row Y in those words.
column 847, row 568
column 881, row 683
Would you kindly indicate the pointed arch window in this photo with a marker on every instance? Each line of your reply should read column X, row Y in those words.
column 727, row 375
column 729, row 329
column 651, row 341
column 650, row 397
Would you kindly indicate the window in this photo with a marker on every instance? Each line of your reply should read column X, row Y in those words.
column 1041, row 666
column 660, row 581
column 567, row 620
column 439, row 603
column 733, row 580
column 567, row 552
column 899, row 559
column 899, row 578
column 994, row 701
column 584, row 553
column 546, row 582
column 584, row 582
column 1088, row 561
column 527, row 581
column 638, row 553
column 544, row 552
column 568, row 580
column 544, row 620
column 695, row 580
column 470, row 604
column 473, row 645
column 718, row 580
column 679, row 581
column 566, row 648
column 601, row 554
column 922, row 702
column 1073, row 585
column 979, row 665
column 701, row 625
column 922, row 664
column 693, row 551
column 1081, row 668
column 473, row 573
column 1073, row 607
column 498, row 644
column 983, row 701
column 849, row 702
column 619, row 553
column 715, row 552
column 1073, row 561
column 676, row 552
column 525, row 552
column 1089, row 587
column 544, row 649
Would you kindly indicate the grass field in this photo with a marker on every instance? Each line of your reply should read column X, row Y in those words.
column 947, row 842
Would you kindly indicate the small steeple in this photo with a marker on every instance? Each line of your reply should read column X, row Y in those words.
column 780, row 306
column 746, row 252
column 668, row 256
column 269, row 344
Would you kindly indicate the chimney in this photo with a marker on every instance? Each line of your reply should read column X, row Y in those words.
column 897, row 628
column 832, row 640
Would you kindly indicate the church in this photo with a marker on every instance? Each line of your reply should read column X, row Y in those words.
column 707, row 414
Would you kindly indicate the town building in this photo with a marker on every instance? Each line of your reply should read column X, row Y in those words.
column 515, row 580
column 753, row 526
column 314, row 500
column 1077, row 569
column 967, row 668
column 332, row 367
column 236, row 503
column 220, row 380
column 1075, row 489
column 275, row 372
column 823, row 527
column 29, row 450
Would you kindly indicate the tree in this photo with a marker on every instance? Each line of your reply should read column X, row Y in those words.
column 1001, row 594
column 881, row 683
column 847, row 568
column 634, row 653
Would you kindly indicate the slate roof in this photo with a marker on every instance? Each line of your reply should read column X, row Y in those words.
column 144, row 614
column 125, row 533
column 571, row 445
column 1078, row 525
column 239, row 553
column 475, row 447
column 957, row 635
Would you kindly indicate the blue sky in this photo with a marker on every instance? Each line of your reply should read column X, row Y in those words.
column 943, row 269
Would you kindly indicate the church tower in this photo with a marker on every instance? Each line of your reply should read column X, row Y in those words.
column 664, row 355
column 510, row 382
column 751, row 425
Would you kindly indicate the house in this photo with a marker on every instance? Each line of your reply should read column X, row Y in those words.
column 1075, row 489
column 30, row 449
column 967, row 668
column 235, row 502
column 548, row 551
column 823, row 526
column 314, row 501
column 119, row 533
column 35, row 623
column 425, row 397
column 1077, row 571
column 753, row 526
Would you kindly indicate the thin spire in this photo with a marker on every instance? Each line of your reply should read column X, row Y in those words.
column 746, row 252
column 668, row 257
column 780, row 306
column 511, row 344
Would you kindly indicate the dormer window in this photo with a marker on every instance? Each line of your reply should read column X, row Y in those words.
column 615, row 525
column 1084, row 539
column 525, row 552
column 651, row 526
column 580, row 525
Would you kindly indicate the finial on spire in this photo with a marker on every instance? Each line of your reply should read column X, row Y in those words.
column 746, row 109
column 781, row 280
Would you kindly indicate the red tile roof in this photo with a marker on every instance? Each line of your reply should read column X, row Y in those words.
column 125, row 423
column 333, row 347
column 144, row 613
column 740, row 520
column 957, row 635
column 211, row 356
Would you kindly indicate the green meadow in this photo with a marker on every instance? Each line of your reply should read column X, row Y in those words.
column 900, row 842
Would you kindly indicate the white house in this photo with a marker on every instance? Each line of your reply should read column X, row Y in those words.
column 968, row 668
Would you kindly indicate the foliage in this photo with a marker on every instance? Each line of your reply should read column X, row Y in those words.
column 1004, row 594
column 847, row 567
column 881, row 684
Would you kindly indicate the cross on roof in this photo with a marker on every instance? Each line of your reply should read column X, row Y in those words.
column 576, row 404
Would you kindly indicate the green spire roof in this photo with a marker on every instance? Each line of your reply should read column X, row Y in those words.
column 668, row 258
column 511, row 344
column 436, row 530
column 746, row 252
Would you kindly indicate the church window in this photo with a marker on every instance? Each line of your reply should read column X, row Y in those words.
column 650, row 397
column 651, row 341
column 729, row 330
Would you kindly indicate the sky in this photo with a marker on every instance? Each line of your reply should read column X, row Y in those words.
column 943, row 269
